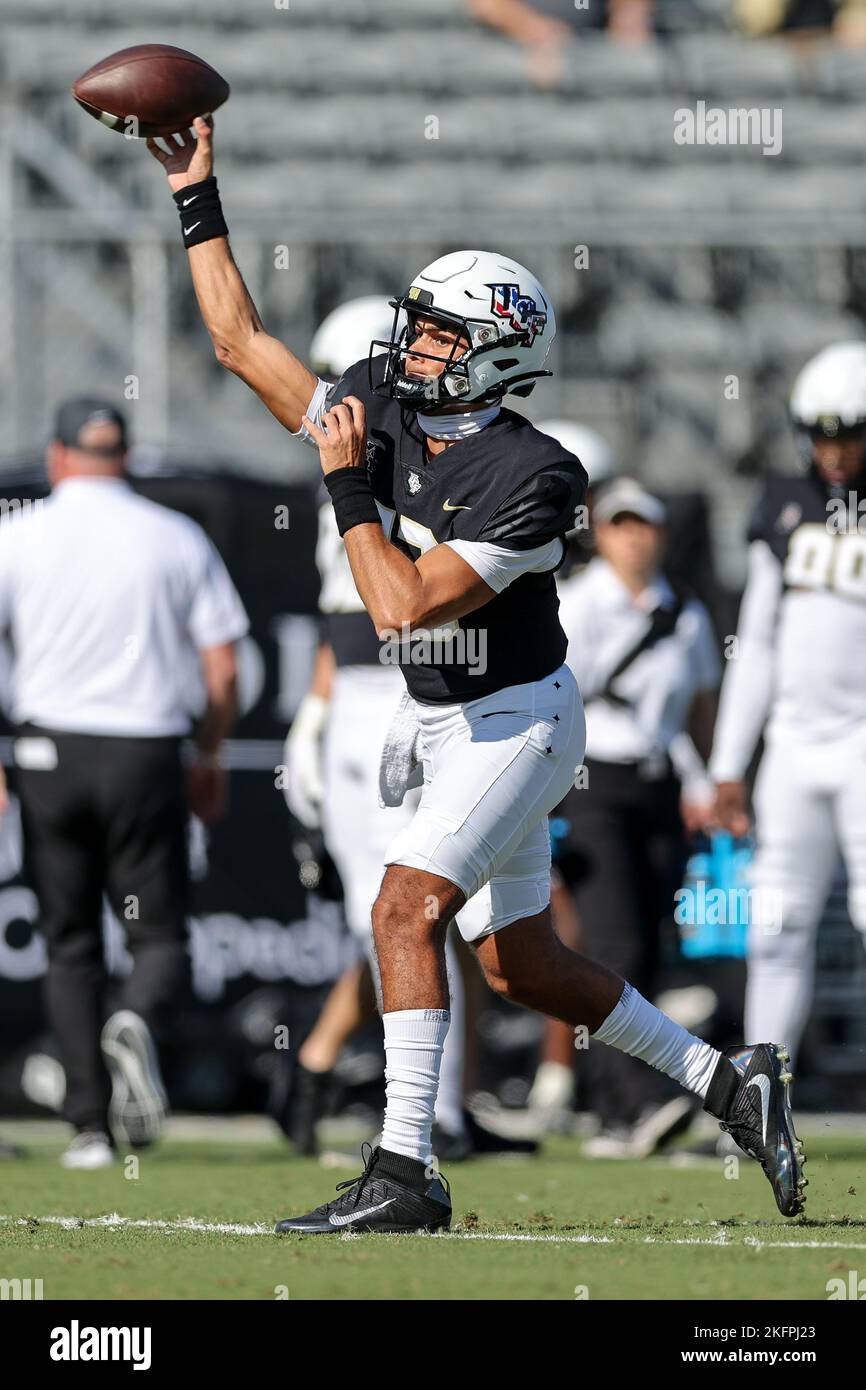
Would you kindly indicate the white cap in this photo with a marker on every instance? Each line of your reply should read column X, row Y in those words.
column 627, row 495
column 585, row 443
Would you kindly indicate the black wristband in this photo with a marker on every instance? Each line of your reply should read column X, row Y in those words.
column 201, row 214
column 352, row 496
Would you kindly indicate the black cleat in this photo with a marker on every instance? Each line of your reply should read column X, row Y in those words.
column 749, row 1097
column 308, row 1104
column 299, row 1098
column 394, row 1194
column 476, row 1141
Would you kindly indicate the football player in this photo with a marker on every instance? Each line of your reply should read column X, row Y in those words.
column 799, row 668
column 333, row 753
column 453, row 511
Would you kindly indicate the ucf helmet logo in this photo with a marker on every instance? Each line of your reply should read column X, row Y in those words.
column 521, row 310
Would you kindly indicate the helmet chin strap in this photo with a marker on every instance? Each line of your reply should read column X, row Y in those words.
column 458, row 426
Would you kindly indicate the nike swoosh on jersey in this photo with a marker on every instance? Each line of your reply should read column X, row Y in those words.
column 187, row 230
column 763, row 1085
column 358, row 1215
column 459, row 507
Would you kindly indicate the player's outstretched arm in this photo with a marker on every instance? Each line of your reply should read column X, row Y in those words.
column 240, row 342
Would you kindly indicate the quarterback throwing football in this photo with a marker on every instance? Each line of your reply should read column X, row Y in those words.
column 453, row 511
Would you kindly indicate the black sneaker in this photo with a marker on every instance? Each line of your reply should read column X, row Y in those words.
column 749, row 1097
column 393, row 1194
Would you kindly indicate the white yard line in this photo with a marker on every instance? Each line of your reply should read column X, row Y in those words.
column 722, row 1240
column 718, row 1242
column 116, row 1222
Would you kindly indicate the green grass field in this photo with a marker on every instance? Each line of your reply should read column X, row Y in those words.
column 542, row 1228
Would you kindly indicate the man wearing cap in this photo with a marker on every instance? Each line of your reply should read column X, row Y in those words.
column 646, row 662
column 106, row 597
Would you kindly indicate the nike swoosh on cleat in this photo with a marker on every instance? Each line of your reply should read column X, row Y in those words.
column 187, row 230
column 763, row 1085
column 359, row 1215
column 459, row 507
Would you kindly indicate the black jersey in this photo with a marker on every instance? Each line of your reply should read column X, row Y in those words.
column 509, row 485
column 813, row 531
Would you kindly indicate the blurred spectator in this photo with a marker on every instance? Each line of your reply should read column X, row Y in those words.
column 105, row 595
column 544, row 27
column 846, row 19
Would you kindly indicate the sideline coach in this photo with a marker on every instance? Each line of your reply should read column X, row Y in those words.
column 107, row 599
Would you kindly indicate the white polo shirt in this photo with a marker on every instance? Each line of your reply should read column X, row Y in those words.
column 603, row 621
column 106, row 598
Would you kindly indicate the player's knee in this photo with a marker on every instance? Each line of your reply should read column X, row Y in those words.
column 517, row 987
column 397, row 921
column 499, row 982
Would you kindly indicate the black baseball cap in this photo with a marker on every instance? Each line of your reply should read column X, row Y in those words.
column 73, row 415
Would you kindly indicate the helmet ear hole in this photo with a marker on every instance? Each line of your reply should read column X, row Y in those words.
column 502, row 364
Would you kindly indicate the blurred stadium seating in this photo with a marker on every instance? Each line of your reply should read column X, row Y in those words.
column 703, row 261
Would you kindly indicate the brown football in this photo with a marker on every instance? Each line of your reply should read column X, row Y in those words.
column 150, row 89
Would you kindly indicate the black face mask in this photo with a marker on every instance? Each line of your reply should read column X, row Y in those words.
column 422, row 393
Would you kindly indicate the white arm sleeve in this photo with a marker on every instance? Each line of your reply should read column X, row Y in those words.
column 747, row 687
column 498, row 566
column 314, row 411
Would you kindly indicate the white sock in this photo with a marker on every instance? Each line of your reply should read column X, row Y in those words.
column 413, row 1051
column 637, row 1027
column 449, row 1101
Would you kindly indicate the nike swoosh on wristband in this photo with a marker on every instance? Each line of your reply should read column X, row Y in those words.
column 358, row 1215
column 187, row 230
column 763, row 1085
column 459, row 507
column 186, row 202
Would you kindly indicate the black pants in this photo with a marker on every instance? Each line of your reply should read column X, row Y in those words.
column 624, row 861
column 109, row 819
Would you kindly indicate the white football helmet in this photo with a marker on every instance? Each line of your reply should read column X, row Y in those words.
column 504, row 314
column 587, row 444
column 347, row 335
column 829, row 394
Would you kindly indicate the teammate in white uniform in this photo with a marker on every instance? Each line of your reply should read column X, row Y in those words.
column 800, row 665
column 553, row 1087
